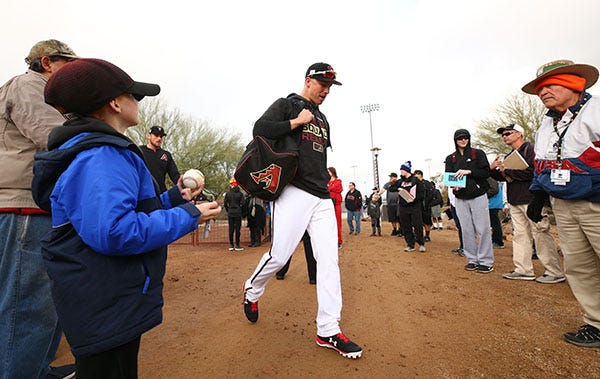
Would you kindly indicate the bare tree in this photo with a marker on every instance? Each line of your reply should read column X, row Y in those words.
column 521, row 109
column 193, row 143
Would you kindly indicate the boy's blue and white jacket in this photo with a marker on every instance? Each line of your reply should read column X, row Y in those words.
column 580, row 152
column 106, row 253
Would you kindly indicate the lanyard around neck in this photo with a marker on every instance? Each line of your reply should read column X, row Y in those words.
column 558, row 144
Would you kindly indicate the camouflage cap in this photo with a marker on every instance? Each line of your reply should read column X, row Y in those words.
column 49, row 48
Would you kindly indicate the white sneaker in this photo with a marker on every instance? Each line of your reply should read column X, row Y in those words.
column 422, row 248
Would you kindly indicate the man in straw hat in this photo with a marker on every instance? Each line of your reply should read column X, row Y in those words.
column 29, row 328
column 567, row 171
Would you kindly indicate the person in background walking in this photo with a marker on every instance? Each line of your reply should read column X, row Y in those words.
column 256, row 219
column 436, row 208
column 410, row 208
column 391, row 199
column 234, row 205
column 311, row 262
column 335, row 190
column 428, row 190
column 353, row 202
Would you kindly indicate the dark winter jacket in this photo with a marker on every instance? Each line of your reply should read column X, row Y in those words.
column 313, row 140
column 106, row 251
column 413, row 186
column 234, row 202
column 353, row 200
column 518, row 181
column 476, row 161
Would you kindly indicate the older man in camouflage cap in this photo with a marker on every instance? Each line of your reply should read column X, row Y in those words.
column 50, row 48
column 29, row 331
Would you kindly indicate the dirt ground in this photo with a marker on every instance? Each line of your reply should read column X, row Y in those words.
column 415, row 315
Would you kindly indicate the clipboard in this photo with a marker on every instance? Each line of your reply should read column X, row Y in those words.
column 451, row 181
column 405, row 195
column 514, row 161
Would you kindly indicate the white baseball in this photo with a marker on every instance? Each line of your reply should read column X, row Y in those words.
column 193, row 178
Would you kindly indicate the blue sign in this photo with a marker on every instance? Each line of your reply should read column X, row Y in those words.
column 452, row 181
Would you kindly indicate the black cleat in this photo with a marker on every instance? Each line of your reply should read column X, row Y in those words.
column 586, row 336
column 251, row 310
column 341, row 344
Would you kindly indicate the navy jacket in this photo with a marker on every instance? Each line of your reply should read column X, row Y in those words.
column 106, row 252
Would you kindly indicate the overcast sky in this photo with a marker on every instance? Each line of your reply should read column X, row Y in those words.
column 432, row 66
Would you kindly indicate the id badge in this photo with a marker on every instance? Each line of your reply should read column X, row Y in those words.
column 560, row 177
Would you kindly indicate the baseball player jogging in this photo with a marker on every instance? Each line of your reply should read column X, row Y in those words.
column 305, row 204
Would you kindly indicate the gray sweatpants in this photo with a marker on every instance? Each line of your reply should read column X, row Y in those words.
column 474, row 219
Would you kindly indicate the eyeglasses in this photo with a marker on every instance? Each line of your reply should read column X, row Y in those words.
column 506, row 134
column 326, row 74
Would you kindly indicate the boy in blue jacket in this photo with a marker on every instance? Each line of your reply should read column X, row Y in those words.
column 106, row 253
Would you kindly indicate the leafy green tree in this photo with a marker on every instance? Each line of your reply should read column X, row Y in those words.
column 193, row 143
column 521, row 109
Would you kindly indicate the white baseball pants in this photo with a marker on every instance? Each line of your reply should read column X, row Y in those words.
column 292, row 213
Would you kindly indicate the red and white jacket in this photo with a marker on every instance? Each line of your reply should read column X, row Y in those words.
column 580, row 154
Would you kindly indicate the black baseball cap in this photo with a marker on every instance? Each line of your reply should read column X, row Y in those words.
column 87, row 84
column 322, row 72
column 157, row 130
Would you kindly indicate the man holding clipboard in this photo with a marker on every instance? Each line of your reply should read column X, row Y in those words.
column 517, row 171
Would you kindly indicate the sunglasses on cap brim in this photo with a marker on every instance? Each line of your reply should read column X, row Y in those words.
column 325, row 74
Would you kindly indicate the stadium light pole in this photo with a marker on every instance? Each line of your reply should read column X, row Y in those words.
column 375, row 152
column 370, row 108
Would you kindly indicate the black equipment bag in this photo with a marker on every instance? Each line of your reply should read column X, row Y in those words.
column 267, row 166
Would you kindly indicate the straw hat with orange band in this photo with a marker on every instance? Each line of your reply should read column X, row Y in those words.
column 577, row 77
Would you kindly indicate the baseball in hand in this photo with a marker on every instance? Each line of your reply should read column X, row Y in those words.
column 193, row 179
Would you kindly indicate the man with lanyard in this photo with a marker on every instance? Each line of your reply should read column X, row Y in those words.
column 567, row 171
column 305, row 205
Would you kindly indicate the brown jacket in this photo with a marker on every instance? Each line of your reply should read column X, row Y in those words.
column 25, row 122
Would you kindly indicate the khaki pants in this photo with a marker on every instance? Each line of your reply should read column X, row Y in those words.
column 525, row 232
column 578, row 224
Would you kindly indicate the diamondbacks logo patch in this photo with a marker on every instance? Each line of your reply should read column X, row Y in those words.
column 268, row 176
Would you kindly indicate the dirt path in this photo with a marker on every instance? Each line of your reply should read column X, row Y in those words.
column 414, row 314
